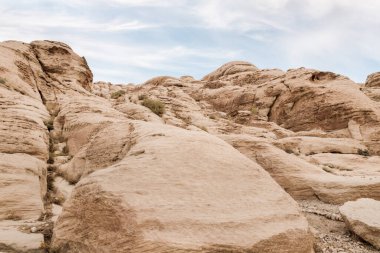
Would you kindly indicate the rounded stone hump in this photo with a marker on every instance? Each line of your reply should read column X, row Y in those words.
column 160, row 80
column 51, row 43
column 62, row 64
column 230, row 68
column 373, row 80
column 323, row 76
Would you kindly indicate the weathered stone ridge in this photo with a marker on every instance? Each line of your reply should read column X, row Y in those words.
column 179, row 164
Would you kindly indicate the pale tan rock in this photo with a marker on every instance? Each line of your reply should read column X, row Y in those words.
column 354, row 129
column 63, row 187
column 138, row 112
column 160, row 197
column 373, row 80
column 347, row 164
column 23, row 147
column 33, row 76
column 363, row 218
column 299, row 100
column 231, row 68
column 56, row 211
column 314, row 145
column 82, row 116
column 372, row 92
column 103, row 89
column 23, row 129
column 22, row 187
column 61, row 64
column 103, row 150
column 14, row 239
column 301, row 179
column 180, row 189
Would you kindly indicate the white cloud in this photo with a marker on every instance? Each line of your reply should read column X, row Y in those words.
column 241, row 15
column 130, row 3
column 338, row 34
column 153, row 58
column 32, row 20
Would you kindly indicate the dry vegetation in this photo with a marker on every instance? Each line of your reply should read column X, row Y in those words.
column 155, row 106
column 117, row 94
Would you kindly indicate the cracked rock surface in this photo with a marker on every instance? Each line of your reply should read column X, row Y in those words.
column 243, row 160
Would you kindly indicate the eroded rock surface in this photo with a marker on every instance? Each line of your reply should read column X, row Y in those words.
column 161, row 196
column 362, row 217
column 97, row 168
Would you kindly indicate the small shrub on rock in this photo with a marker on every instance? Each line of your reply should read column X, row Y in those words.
column 363, row 152
column 49, row 124
column 155, row 106
column 3, row 80
column 117, row 94
column 289, row 151
column 254, row 110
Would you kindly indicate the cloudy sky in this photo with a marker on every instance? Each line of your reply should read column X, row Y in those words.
column 133, row 40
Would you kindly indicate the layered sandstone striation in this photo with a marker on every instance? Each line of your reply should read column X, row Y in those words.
column 177, row 164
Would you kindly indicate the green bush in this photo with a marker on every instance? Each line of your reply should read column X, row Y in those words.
column 3, row 80
column 117, row 94
column 155, row 106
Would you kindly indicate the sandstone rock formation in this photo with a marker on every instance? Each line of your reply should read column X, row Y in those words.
column 95, row 168
column 373, row 80
column 372, row 86
column 162, row 196
column 362, row 217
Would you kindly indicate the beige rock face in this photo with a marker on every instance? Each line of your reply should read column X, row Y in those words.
column 302, row 179
column 363, row 218
column 373, row 80
column 184, row 191
column 347, row 164
column 23, row 184
column 315, row 145
column 62, row 65
column 372, row 86
column 31, row 77
column 107, row 174
column 231, row 69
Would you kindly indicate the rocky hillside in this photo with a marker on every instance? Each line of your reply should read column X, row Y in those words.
column 244, row 160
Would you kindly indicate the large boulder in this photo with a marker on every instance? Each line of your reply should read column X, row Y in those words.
column 363, row 218
column 64, row 67
column 182, row 191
